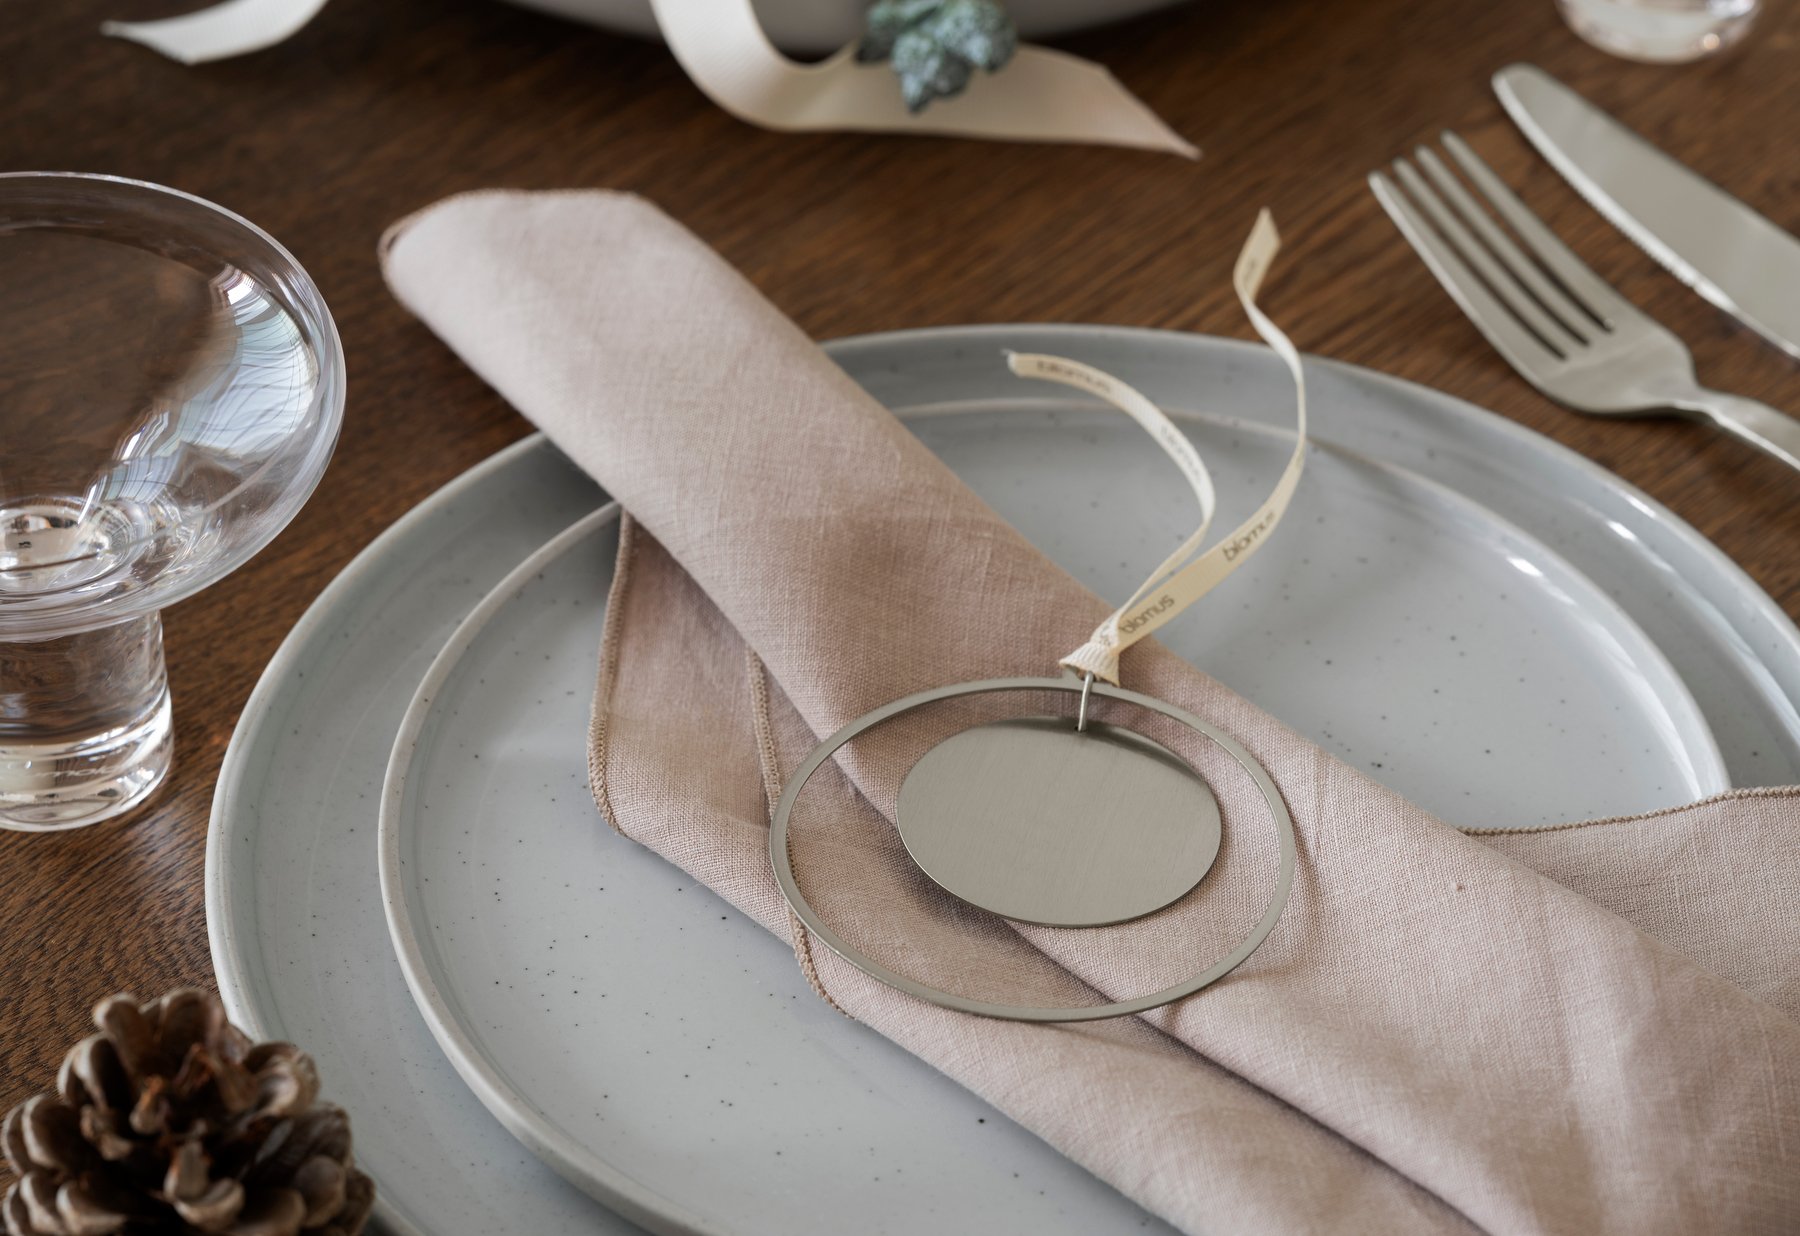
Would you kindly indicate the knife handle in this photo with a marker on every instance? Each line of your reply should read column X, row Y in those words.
column 1753, row 422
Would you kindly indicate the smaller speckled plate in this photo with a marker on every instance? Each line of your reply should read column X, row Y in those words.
column 663, row 1052
column 642, row 1037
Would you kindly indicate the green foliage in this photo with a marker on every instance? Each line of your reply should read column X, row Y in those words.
column 935, row 46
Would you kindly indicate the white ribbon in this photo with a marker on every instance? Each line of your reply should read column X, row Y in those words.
column 1187, row 574
column 1040, row 95
column 233, row 28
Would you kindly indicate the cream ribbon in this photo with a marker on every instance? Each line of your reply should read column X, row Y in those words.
column 234, row 28
column 1040, row 96
column 1187, row 574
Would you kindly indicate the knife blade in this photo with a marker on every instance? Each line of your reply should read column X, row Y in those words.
column 1711, row 241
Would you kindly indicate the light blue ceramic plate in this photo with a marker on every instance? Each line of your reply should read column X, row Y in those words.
column 1422, row 519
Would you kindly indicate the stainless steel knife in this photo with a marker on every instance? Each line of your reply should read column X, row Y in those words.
column 1710, row 240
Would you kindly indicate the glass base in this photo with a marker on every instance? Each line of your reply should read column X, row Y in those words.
column 49, row 786
column 85, row 733
column 1660, row 31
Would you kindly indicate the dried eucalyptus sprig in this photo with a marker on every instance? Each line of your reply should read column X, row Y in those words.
column 171, row 1122
column 935, row 46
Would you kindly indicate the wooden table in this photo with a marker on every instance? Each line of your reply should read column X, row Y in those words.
column 382, row 106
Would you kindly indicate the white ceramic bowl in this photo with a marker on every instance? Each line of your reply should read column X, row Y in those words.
column 825, row 25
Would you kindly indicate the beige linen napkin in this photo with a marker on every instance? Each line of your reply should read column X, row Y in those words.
column 1587, row 1029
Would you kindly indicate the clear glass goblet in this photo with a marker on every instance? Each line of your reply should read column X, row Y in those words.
column 171, row 387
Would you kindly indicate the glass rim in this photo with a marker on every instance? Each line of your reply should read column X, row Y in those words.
column 50, row 614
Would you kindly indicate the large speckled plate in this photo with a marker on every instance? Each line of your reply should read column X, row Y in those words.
column 1489, row 623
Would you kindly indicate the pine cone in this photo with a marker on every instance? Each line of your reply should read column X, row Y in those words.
column 170, row 1122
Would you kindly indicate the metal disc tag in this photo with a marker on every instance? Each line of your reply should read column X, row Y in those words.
column 1038, row 822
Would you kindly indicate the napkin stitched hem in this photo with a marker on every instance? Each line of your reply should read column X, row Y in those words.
column 610, row 635
column 768, row 759
column 1724, row 796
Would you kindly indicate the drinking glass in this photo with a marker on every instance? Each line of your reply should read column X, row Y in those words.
column 1660, row 31
column 171, row 386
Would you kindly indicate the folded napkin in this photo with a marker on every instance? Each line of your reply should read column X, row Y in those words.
column 1587, row 1029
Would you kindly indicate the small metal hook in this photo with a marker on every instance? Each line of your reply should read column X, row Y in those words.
column 1087, row 685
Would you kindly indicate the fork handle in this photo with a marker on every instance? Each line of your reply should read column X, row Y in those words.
column 1753, row 422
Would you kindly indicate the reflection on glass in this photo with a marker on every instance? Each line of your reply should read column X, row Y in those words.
column 1661, row 31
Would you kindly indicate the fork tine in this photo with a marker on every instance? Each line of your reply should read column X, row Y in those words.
column 1574, row 319
column 1521, row 350
column 1505, row 290
column 1596, row 295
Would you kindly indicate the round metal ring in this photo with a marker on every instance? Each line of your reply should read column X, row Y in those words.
column 782, row 861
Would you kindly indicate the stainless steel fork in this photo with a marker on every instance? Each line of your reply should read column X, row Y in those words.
column 1566, row 330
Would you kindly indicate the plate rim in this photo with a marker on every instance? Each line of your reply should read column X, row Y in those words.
column 624, row 1194
column 224, row 933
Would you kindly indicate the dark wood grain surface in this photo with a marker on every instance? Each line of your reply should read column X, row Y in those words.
column 382, row 106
